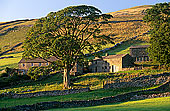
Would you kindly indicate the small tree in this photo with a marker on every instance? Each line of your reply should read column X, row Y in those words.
column 158, row 17
column 67, row 34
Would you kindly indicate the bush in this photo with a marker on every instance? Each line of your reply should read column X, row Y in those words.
column 38, row 72
column 14, row 78
column 4, row 75
column 3, row 83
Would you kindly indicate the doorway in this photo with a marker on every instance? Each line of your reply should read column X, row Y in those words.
column 113, row 68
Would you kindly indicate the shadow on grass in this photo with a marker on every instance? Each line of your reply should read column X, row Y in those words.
column 121, row 48
column 52, row 79
column 10, row 25
column 14, row 53
column 15, row 65
column 124, row 46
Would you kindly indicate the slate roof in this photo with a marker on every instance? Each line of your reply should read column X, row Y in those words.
column 37, row 60
column 114, row 56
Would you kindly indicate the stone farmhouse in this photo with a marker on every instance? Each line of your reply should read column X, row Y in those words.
column 24, row 65
column 139, row 53
column 112, row 63
column 109, row 63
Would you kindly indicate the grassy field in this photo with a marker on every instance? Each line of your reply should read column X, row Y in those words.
column 121, row 49
column 124, row 48
column 134, row 13
column 92, row 80
column 118, row 31
column 10, row 62
column 13, row 33
column 96, row 94
column 154, row 104
column 13, row 37
column 7, row 25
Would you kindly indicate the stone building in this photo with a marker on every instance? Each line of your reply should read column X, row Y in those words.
column 77, row 70
column 24, row 65
column 139, row 53
column 112, row 63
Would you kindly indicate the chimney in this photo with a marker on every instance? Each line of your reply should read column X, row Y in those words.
column 106, row 54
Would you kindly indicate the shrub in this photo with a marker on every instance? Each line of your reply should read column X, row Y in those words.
column 14, row 78
column 3, row 83
column 38, row 72
column 4, row 75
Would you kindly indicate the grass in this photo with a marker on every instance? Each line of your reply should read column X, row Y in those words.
column 15, row 35
column 96, row 94
column 154, row 104
column 16, row 23
column 10, row 62
column 47, row 84
column 94, row 81
column 134, row 13
column 124, row 48
column 118, row 31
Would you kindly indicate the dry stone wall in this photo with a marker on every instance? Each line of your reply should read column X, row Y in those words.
column 140, row 97
column 145, row 81
column 46, row 93
column 85, row 103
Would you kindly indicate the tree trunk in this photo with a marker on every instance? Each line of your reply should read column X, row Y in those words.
column 159, row 66
column 66, row 78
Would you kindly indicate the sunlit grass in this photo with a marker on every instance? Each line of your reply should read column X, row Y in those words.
column 154, row 104
column 48, row 84
column 95, row 94
column 10, row 62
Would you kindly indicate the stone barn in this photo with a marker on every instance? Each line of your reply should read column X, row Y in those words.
column 24, row 65
column 139, row 53
column 112, row 63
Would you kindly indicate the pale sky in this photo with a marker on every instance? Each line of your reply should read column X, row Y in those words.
column 28, row 9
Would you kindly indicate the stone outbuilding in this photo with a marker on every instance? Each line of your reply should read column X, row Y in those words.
column 139, row 53
column 112, row 63
column 24, row 65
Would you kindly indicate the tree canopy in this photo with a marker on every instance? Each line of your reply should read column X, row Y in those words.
column 158, row 17
column 67, row 34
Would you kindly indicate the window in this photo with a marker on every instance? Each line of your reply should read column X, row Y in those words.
column 39, row 64
column 47, row 64
column 23, row 65
column 32, row 64
column 96, row 69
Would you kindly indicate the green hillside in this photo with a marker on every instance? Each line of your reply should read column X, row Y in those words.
column 12, row 33
column 126, row 29
column 134, row 13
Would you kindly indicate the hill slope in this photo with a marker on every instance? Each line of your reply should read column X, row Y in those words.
column 120, row 29
column 134, row 13
column 13, row 32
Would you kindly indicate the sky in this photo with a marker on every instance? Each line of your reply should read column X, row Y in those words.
column 31, row 9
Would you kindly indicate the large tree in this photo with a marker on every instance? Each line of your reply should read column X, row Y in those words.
column 158, row 17
column 67, row 34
